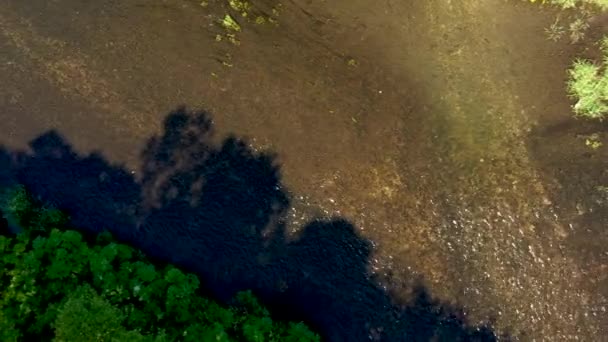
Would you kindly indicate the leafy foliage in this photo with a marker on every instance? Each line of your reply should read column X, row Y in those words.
column 588, row 81
column 588, row 84
column 86, row 316
column 57, row 286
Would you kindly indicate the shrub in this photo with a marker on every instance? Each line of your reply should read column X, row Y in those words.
column 57, row 286
column 588, row 85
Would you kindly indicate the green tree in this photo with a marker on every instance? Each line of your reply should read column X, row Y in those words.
column 56, row 286
column 86, row 316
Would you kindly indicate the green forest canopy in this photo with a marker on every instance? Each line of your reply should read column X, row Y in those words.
column 58, row 287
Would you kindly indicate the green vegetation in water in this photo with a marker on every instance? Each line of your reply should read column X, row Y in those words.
column 593, row 141
column 577, row 28
column 601, row 4
column 58, row 287
column 245, row 10
column 587, row 81
column 247, row 13
column 240, row 6
column 588, row 85
column 556, row 31
column 260, row 20
column 230, row 24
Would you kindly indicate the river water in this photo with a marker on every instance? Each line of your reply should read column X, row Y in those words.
column 447, row 142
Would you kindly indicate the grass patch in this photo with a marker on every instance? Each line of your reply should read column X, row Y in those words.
column 588, row 85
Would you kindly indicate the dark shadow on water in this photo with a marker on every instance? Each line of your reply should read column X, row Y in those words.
column 219, row 210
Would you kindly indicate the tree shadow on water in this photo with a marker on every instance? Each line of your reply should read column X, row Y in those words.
column 213, row 203
column 96, row 194
column 218, row 209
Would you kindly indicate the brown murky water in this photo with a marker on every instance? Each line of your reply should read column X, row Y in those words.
column 448, row 143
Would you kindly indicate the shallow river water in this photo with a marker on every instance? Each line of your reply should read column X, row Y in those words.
column 440, row 130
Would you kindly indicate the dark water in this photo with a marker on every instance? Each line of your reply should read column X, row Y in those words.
column 220, row 210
